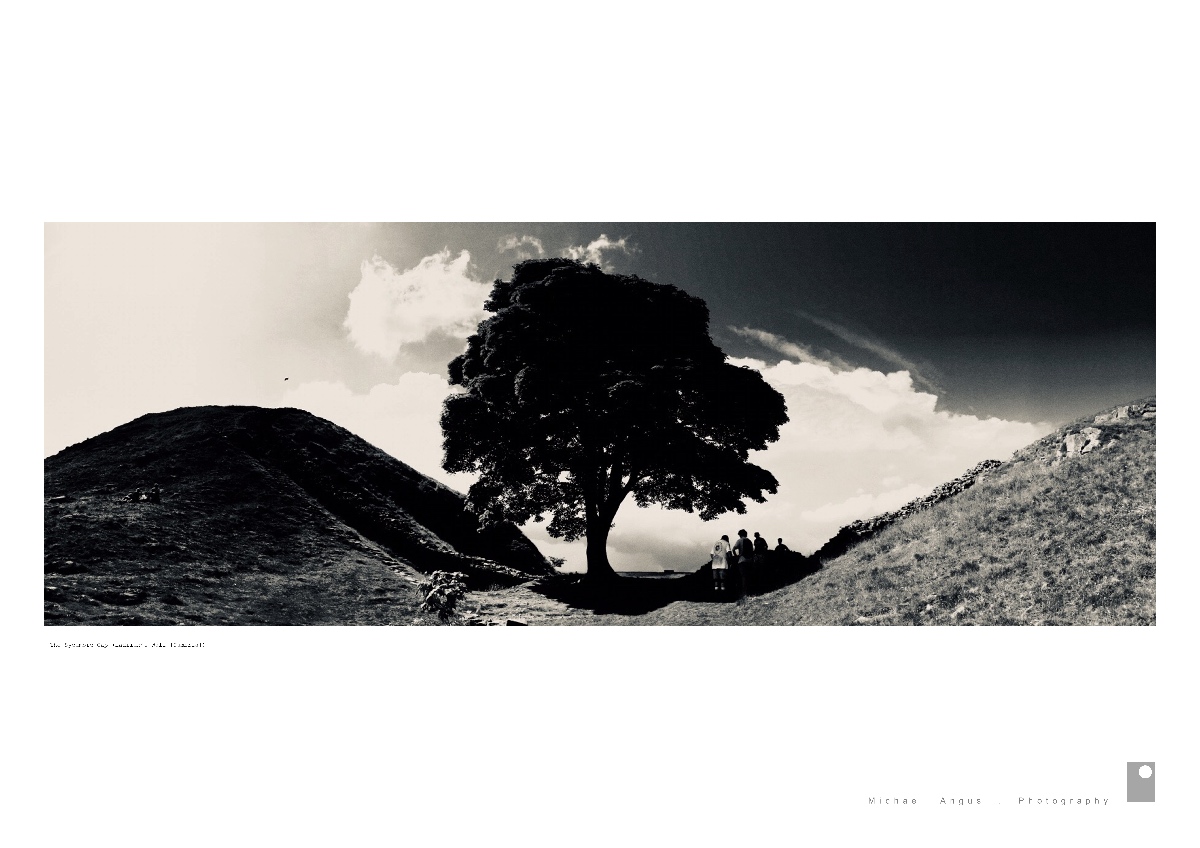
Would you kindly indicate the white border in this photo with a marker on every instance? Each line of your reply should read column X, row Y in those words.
column 530, row 111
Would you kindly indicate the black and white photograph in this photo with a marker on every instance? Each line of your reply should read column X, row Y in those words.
column 637, row 424
column 618, row 423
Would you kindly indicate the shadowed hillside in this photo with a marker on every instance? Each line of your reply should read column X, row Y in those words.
column 1063, row 533
column 261, row 516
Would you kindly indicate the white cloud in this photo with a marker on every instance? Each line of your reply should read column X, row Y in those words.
column 521, row 245
column 596, row 249
column 870, row 431
column 858, row 443
column 400, row 418
column 390, row 308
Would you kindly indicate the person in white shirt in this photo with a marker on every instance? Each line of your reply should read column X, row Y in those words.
column 720, row 562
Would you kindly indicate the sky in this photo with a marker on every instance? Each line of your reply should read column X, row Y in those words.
column 906, row 353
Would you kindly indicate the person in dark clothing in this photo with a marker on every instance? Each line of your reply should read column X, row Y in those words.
column 744, row 549
column 781, row 547
column 760, row 547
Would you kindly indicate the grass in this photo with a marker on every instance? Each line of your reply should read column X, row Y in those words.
column 149, row 564
column 1033, row 544
column 266, row 517
column 248, row 537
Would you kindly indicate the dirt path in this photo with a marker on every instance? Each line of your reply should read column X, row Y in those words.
column 519, row 603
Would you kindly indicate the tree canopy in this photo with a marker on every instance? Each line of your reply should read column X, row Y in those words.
column 585, row 387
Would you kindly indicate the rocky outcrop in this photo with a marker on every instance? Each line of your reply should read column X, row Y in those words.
column 859, row 531
column 1124, row 413
column 1086, row 436
column 1105, row 428
column 1085, row 441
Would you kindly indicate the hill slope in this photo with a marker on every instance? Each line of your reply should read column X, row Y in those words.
column 267, row 516
column 1063, row 533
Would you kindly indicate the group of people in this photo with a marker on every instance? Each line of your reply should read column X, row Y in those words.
column 736, row 557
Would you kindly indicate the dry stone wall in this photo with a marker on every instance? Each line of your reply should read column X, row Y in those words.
column 860, row 531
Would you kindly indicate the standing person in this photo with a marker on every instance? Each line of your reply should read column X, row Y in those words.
column 720, row 562
column 744, row 549
column 781, row 547
column 760, row 548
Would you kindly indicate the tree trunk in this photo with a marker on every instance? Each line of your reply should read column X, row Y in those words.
column 598, row 567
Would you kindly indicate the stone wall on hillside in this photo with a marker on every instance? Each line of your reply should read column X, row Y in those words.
column 859, row 531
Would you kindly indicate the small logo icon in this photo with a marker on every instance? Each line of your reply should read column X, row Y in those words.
column 1139, row 781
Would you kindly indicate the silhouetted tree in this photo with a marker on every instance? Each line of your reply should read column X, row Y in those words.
column 584, row 387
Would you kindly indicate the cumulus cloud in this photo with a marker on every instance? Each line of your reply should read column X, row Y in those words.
column 391, row 308
column 400, row 418
column 859, row 442
column 596, row 250
column 525, row 247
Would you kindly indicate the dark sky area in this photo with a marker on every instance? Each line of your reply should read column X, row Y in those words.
column 1027, row 321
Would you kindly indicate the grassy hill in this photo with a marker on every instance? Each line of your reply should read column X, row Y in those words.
column 1049, row 537
column 263, row 516
column 279, row 517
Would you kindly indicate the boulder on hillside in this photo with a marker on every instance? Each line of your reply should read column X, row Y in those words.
column 1083, row 441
